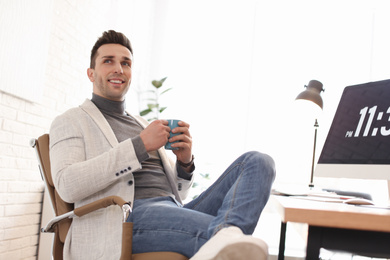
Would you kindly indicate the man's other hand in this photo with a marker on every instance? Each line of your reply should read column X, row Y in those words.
column 184, row 154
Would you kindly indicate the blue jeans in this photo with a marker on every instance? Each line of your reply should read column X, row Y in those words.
column 237, row 198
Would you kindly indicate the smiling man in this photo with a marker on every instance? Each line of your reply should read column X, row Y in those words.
column 98, row 150
column 110, row 71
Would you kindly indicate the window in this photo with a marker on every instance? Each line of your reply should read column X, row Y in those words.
column 24, row 41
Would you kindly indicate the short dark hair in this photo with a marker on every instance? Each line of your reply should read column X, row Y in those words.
column 108, row 37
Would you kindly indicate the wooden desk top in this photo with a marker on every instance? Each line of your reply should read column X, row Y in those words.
column 332, row 214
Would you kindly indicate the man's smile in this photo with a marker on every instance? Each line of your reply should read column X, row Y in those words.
column 116, row 81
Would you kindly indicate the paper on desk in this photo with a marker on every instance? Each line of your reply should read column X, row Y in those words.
column 288, row 192
column 318, row 195
column 321, row 199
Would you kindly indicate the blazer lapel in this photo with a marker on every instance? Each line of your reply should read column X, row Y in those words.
column 89, row 107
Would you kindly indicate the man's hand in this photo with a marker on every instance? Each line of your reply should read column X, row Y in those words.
column 184, row 154
column 155, row 135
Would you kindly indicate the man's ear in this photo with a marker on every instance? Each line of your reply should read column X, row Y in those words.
column 90, row 73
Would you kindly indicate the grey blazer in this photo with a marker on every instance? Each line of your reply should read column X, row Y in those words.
column 88, row 164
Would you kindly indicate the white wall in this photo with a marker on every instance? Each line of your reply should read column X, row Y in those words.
column 237, row 66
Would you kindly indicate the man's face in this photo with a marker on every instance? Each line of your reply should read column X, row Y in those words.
column 111, row 76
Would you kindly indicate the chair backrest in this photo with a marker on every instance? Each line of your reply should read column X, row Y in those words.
column 60, row 207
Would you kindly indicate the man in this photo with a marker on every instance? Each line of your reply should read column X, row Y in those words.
column 98, row 150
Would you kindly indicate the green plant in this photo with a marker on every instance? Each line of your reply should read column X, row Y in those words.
column 154, row 105
column 201, row 185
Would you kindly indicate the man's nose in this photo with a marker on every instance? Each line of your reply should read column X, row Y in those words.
column 119, row 69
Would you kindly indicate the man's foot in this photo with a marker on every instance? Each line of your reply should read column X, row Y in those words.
column 231, row 244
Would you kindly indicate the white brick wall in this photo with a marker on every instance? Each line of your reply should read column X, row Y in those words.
column 75, row 27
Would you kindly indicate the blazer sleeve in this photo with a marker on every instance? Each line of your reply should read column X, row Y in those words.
column 183, row 185
column 83, row 162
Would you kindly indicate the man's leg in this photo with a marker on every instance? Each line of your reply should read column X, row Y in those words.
column 236, row 200
column 239, row 195
column 161, row 225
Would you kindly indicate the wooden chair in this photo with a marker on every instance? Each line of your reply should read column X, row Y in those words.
column 65, row 211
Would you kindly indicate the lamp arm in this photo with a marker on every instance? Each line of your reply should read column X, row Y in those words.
column 316, row 125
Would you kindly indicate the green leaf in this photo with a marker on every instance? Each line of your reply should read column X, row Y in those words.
column 151, row 106
column 145, row 112
column 165, row 91
column 205, row 175
column 163, row 79
column 162, row 109
column 157, row 83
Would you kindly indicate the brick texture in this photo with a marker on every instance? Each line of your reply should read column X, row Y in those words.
column 74, row 28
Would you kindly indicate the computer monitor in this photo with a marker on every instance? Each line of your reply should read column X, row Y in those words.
column 358, row 142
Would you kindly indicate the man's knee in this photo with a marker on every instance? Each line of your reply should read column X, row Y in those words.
column 264, row 162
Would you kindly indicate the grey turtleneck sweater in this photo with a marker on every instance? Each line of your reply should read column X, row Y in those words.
column 150, row 181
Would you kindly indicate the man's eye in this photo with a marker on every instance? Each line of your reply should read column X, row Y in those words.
column 126, row 63
column 107, row 61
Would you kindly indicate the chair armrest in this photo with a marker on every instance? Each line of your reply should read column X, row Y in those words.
column 50, row 227
column 83, row 210
column 102, row 203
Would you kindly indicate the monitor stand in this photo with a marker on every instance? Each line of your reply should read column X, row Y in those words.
column 388, row 190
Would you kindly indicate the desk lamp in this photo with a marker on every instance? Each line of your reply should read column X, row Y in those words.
column 313, row 93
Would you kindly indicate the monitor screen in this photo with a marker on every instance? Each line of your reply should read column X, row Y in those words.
column 358, row 142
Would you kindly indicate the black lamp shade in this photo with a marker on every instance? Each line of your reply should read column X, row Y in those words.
column 313, row 93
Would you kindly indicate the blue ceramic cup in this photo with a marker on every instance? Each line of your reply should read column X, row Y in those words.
column 172, row 123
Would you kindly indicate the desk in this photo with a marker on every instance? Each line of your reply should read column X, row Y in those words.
column 336, row 226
